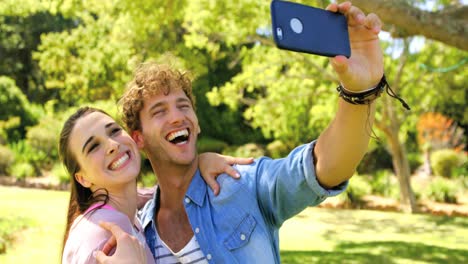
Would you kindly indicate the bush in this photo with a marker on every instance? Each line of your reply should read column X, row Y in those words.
column 277, row 149
column 24, row 153
column 22, row 170
column 43, row 139
column 245, row 151
column 442, row 190
column 357, row 189
column 59, row 172
column 382, row 183
column 147, row 179
column 375, row 160
column 415, row 161
column 210, row 145
column 445, row 161
column 6, row 159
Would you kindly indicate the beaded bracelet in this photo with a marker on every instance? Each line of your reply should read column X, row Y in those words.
column 366, row 97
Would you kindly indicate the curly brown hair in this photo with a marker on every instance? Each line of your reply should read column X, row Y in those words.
column 151, row 79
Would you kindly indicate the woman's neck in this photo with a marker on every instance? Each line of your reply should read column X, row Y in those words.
column 124, row 200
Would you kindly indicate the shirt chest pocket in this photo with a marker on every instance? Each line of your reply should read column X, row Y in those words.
column 241, row 234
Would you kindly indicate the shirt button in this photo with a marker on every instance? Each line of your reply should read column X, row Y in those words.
column 242, row 237
column 208, row 256
column 187, row 200
column 197, row 230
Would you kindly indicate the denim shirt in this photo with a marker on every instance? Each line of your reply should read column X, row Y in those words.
column 241, row 224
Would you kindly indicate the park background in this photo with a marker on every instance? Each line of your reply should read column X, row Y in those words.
column 407, row 202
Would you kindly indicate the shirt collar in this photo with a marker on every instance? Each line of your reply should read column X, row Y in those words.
column 196, row 193
column 197, row 189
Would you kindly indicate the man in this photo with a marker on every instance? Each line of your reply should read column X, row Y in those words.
column 185, row 222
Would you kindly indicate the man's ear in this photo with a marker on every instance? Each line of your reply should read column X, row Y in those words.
column 82, row 180
column 138, row 138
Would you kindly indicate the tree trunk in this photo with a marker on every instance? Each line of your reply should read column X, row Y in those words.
column 402, row 170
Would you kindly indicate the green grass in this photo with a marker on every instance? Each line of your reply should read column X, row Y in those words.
column 320, row 235
column 316, row 235
column 45, row 212
column 9, row 227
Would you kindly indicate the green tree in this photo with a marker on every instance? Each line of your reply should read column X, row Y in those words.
column 20, row 31
column 15, row 114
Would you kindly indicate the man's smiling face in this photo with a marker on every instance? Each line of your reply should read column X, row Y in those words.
column 169, row 128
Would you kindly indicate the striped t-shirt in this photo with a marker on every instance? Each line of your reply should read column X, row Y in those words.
column 191, row 253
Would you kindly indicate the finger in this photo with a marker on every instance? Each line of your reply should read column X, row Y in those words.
column 355, row 16
column 333, row 7
column 100, row 257
column 242, row 161
column 339, row 63
column 231, row 172
column 213, row 185
column 110, row 244
column 344, row 7
column 373, row 23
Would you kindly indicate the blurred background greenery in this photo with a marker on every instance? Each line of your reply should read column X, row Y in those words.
column 252, row 98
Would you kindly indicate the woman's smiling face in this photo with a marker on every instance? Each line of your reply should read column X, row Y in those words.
column 107, row 155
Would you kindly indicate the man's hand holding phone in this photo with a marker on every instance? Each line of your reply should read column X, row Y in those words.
column 364, row 68
column 349, row 38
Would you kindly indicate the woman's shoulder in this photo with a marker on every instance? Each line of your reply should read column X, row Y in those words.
column 93, row 218
column 86, row 235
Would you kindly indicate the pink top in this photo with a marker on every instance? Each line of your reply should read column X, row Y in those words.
column 86, row 236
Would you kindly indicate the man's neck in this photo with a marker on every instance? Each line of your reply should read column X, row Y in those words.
column 174, row 181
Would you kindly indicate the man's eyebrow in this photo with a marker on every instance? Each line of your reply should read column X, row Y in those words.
column 155, row 106
column 183, row 99
column 86, row 143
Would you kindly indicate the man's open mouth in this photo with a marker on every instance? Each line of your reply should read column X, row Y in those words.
column 178, row 137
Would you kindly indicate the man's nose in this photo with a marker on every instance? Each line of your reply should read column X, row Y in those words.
column 176, row 115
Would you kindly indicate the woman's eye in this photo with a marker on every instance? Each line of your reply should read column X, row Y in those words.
column 93, row 147
column 116, row 130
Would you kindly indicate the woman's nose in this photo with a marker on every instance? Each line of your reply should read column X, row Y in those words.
column 113, row 146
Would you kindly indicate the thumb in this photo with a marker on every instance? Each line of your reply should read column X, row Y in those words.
column 100, row 257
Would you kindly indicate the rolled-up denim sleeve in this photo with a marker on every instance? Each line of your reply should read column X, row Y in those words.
column 311, row 177
column 287, row 186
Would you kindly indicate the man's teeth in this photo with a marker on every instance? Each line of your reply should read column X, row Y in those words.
column 179, row 133
column 119, row 162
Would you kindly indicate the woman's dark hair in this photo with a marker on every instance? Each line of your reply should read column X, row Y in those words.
column 80, row 197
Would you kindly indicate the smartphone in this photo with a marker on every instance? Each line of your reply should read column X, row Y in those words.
column 308, row 29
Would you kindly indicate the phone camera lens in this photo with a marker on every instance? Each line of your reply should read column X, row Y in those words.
column 279, row 33
column 296, row 25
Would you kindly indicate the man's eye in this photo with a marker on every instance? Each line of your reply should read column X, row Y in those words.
column 158, row 112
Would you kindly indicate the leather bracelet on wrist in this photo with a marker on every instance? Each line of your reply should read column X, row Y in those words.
column 368, row 96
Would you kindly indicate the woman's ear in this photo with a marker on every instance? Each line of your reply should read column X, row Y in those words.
column 82, row 180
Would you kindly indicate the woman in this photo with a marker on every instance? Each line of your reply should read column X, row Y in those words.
column 104, row 162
